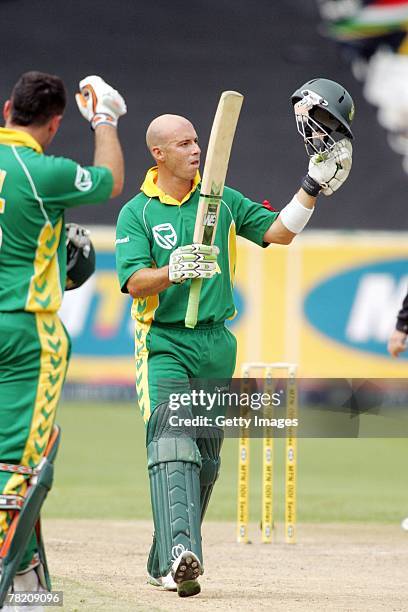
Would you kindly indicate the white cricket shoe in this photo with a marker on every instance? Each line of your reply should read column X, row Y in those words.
column 27, row 581
column 185, row 571
column 165, row 582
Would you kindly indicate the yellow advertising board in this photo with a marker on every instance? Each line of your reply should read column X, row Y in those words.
column 327, row 302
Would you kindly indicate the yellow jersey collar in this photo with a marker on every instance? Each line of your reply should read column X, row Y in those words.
column 19, row 139
column 150, row 188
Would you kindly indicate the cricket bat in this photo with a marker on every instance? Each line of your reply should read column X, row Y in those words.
column 212, row 185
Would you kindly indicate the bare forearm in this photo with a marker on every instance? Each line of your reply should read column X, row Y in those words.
column 108, row 153
column 278, row 234
column 148, row 281
column 305, row 199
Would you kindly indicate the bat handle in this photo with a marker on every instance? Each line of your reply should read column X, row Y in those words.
column 193, row 303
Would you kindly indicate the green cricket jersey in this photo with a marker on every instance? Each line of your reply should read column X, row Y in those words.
column 153, row 224
column 35, row 190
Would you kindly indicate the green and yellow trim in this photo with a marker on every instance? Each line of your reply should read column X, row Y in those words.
column 143, row 310
column 45, row 293
column 6, row 517
column 53, row 365
column 232, row 258
column 150, row 188
column 18, row 138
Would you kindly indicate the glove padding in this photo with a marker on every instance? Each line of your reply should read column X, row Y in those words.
column 99, row 103
column 193, row 261
column 332, row 169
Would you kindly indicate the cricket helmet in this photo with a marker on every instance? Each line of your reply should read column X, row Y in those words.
column 324, row 111
column 80, row 256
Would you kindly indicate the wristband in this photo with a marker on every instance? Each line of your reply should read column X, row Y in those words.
column 103, row 119
column 295, row 216
column 311, row 187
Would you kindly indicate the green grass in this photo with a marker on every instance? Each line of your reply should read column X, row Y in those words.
column 101, row 473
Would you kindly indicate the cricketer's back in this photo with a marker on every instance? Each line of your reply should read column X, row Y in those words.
column 35, row 190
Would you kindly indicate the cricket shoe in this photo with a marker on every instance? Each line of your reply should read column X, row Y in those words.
column 185, row 571
column 164, row 582
column 26, row 581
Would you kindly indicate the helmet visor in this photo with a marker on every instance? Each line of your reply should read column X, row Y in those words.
column 315, row 124
column 324, row 118
column 317, row 138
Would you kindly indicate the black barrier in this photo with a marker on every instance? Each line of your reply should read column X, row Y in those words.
column 264, row 49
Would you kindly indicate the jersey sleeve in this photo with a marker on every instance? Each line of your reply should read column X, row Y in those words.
column 252, row 219
column 67, row 184
column 132, row 246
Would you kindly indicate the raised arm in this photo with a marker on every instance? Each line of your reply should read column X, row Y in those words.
column 326, row 174
column 102, row 106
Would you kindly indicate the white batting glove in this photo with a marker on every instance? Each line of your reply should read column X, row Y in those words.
column 99, row 103
column 193, row 261
column 332, row 169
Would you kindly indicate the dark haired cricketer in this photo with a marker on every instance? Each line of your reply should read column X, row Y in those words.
column 35, row 191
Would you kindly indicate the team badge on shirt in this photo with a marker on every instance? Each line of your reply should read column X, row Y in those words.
column 83, row 179
column 165, row 235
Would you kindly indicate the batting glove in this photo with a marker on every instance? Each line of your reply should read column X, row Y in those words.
column 193, row 261
column 99, row 103
column 331, row 170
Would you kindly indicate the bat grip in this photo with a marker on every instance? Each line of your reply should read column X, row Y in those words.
column 193, row 303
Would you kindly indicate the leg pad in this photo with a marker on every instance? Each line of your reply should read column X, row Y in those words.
column 210, row 448
column 174, row 465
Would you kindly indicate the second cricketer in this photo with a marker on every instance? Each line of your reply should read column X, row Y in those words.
column 156, row 259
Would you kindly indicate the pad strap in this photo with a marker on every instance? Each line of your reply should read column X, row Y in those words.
column 11, row 502
column 18, row 469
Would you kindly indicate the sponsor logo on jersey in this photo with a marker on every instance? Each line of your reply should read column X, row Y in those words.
column 358, row 307
column 83, row 179
column 165, row 235
column 122, row 240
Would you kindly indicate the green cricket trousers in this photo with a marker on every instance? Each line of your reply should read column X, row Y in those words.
column 34, row 354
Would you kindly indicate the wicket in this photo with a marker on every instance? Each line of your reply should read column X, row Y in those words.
column 268, row 458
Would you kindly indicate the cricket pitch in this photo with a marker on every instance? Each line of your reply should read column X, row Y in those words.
column 100, row 565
